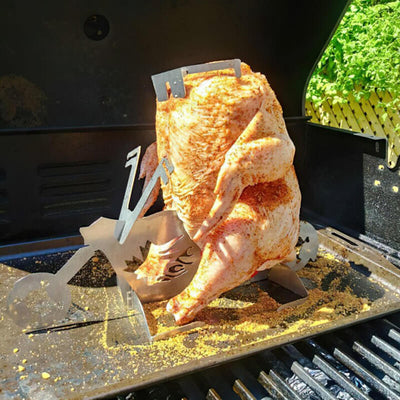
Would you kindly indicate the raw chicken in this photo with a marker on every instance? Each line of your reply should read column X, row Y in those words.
column 234, row 185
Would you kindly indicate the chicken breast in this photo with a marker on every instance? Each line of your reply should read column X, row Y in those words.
column 234, row 185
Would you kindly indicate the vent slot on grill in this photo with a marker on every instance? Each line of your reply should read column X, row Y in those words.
column 67, row 189
column 4, row 218
column 362, row 363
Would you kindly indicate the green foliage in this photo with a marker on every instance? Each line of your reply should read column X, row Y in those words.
column 363, row 55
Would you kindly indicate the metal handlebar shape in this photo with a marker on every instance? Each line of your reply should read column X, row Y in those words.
column 127, row 218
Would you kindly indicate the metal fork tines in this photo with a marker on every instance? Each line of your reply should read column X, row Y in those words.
column 175, row 77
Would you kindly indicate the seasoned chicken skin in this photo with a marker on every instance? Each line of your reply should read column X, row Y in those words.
column 234, row 185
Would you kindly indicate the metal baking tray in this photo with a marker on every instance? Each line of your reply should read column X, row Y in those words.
column 91, row 355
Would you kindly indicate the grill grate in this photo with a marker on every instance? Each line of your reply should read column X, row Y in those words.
column 361, row 362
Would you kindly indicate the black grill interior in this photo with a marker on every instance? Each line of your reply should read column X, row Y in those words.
column 3, row 198
column 74, row 188
column 360, row 362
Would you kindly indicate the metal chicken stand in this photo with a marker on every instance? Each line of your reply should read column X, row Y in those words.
column 120, row 241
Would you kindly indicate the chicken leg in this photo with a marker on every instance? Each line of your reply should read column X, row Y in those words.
column 262, row 153
column 260, row 232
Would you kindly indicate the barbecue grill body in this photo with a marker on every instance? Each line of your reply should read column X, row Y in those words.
column 72, row 107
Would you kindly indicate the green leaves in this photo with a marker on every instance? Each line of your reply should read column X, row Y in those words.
column 363, row 55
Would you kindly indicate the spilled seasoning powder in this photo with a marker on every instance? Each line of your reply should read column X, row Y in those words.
column 45, row 375
column 240, row 319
